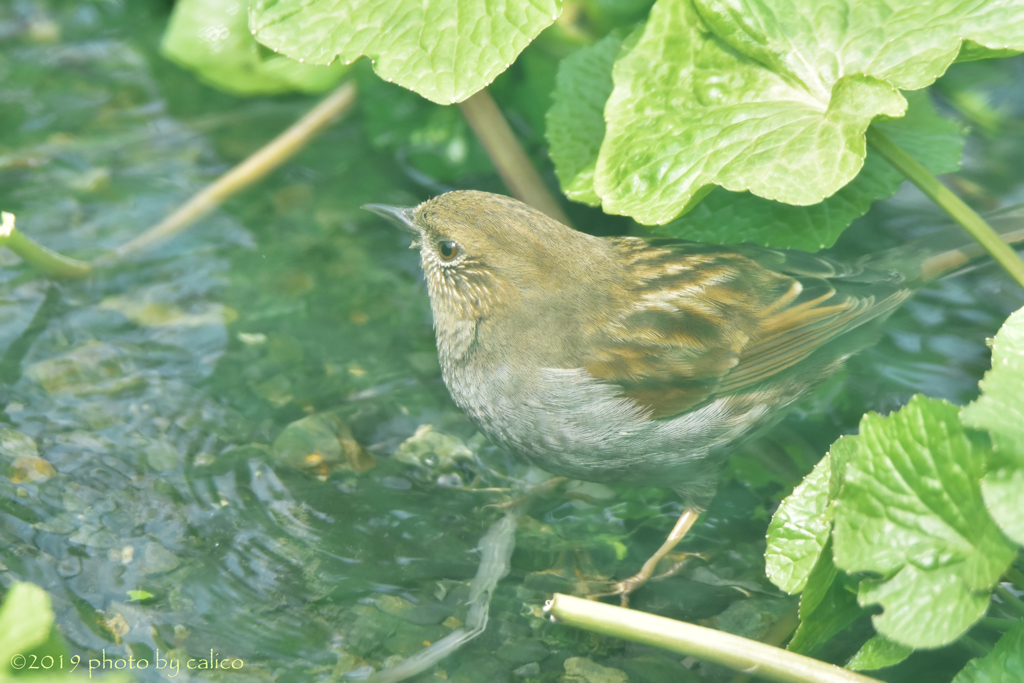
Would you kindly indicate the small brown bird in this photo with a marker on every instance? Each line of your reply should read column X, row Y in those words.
column 637, row 361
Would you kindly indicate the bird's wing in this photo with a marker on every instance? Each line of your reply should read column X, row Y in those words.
column 706, row 321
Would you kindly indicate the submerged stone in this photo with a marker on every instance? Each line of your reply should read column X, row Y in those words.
column 90, row 368
column 583, row 670
column 321, row 443
column 427, row 448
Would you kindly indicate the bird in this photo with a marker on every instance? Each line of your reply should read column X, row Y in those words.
column 638, row 361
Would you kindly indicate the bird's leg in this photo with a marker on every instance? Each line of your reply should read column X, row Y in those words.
column 626, row 586
column 537, row 490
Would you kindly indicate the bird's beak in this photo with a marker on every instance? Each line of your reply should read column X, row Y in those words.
column 402, row 216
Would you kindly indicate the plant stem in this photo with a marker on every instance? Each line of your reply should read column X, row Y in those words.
column 1016, row 576
column 976, row 648
column 250, row 171
column 1011, row 601
column 780, row 631
column 49, row 262
column 740, row 654
column 974, row 224
column 997, row 623
column 508, row 156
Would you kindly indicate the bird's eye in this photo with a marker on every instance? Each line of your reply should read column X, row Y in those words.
column 447, row 249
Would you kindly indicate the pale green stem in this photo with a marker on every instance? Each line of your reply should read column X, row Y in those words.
column 1011, row 601
column 508, row 156
column 974, row 646
column 49, row 262
column 974, row 224
column 997, row 623
column 740, row 654
column 781, row 630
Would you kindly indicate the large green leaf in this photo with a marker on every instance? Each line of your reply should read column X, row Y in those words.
column 443, row 50
column 733, row 217
column 799, row 553
column 1004, row 664
column 575, row 121
column 772, row 97
column 1000, row 410
column 910, row 509
column 828, row 605
column 211, row 37
column 576, row 128
column 798, row 531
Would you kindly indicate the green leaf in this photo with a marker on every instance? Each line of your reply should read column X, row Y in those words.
column 1002, row 489
column 798, row 531
column 575, row 121
column 443, row 50
column 828, row 605
column 576, row 128
column 800, row 528
column 971, row 52
column 1000, row 410
column 212, row 38
column 735, row 217
column 910, row 509
column 1004, row 664
column 878, row 653
column 769, row 97
column 26, row 620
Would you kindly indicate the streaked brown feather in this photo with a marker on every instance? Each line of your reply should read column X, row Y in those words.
column 714, row 320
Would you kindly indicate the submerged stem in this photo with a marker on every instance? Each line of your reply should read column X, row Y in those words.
column 253, row 169
column 974, row 224
column 495, row 554
column 740, row 654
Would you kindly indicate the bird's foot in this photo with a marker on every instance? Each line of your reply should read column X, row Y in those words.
column 625, row 587
column 676, row 562
column 535, row 491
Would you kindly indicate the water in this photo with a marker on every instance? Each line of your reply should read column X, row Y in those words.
column 158, row 393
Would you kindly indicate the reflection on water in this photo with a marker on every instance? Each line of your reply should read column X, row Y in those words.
column 144, row 442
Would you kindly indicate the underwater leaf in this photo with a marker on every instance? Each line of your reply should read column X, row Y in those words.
column 772, row 98
column 445, row 51
column 910, row 509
